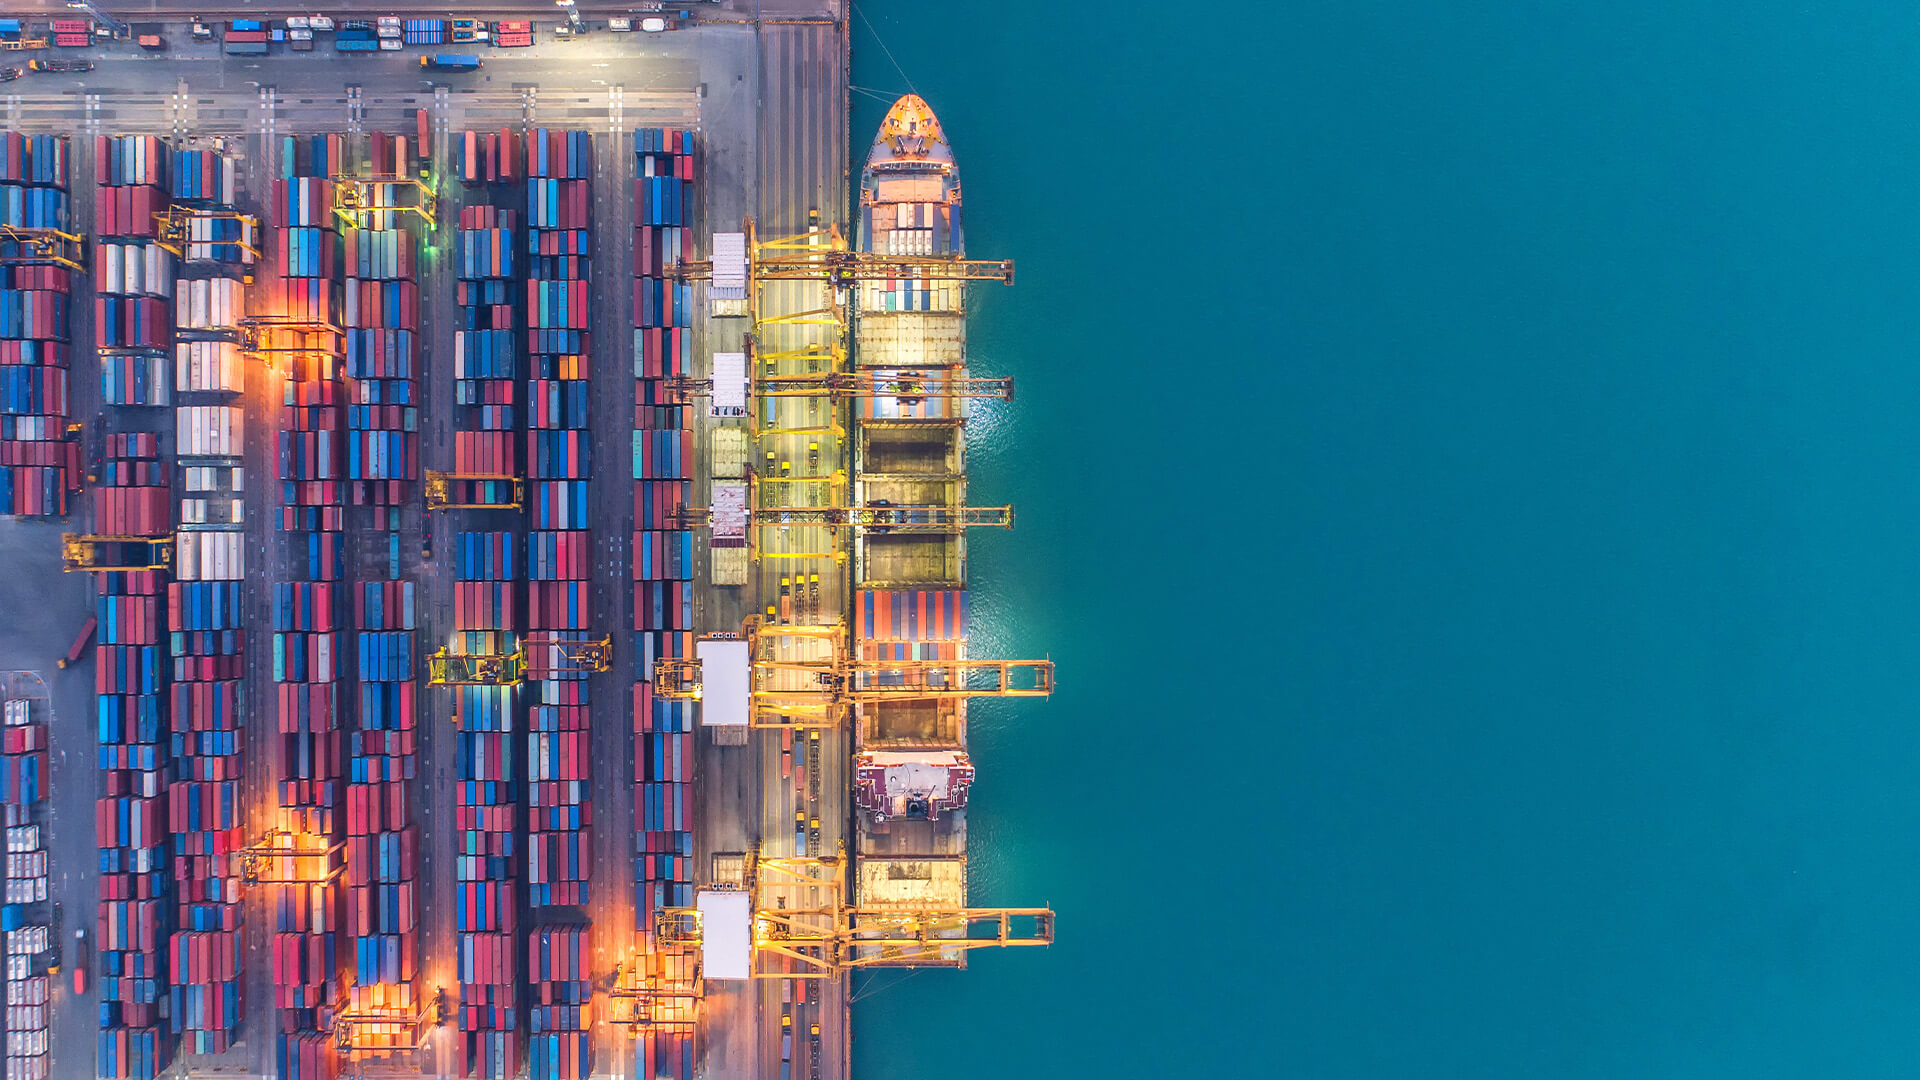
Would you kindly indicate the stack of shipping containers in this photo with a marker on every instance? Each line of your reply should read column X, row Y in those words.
column 559, row 167
column 208, row 368
column 486, row 809
column 308, row 951
column 39, row 465
column 134, row 278
column 130, row 821
column 557, row 1012
column 25, row 915
column 662, row 570
column 132, row 273
column 487, row 572
column 382, row 317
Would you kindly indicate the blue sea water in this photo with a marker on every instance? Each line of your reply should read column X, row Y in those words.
column 1465, row 460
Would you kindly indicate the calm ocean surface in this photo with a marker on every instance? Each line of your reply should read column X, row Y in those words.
column 1468, row 473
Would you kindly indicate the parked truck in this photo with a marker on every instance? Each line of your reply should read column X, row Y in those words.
column 451, row 62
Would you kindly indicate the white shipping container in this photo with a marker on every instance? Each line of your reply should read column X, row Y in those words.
column 112, row 268
column 27, row 1068
column 26, row 890
column 31, row 991
column 213, row 366
column 23, row 838
column 26, row 1043
column 26, row 864
column 210, row 431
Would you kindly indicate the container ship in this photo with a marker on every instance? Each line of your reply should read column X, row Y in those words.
column 911, row 770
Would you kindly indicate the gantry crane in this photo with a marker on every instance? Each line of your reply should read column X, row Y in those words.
column 353, row 196
column 454, row 491
column 174, row 226
column 282, row 857
column 271, row 335
column 374, row 1030
column 910, row 385
column 42, row 246
column 662, row 987
column 822, row 254
column 510, row 669
column 800, row 914
column 109, row 553
column 803, row 677
column 879, row 517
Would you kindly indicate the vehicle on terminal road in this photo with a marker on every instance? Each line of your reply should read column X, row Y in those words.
column 9, row 74
column 59, row 64
column 653, row 26
column 80, row 961
column 451, row 62
column 79, row 645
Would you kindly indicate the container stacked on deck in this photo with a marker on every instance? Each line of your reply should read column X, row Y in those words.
column 559, row 166
column 663, row 552
column 308, row 949
column 39, row 466
column 382, row 320
column 130, row 816
column 486, row 809
column 132, row 274
column 558, row 1019
column 24, row 918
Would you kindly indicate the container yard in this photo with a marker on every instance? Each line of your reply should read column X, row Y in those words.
column 419, row 735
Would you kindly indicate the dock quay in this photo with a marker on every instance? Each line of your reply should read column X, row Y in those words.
column 488, row 543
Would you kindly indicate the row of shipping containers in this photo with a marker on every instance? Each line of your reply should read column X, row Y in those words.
column 134, row 931
column 313, row 954
column 662, row 559
column 557, row 463
column 39, row 464
column 381, row 310
column 487, row 567
column 26, row 917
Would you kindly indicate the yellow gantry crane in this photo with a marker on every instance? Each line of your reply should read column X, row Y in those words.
column 804, row 677
column 549, row 654
column 174, row 227
column 109, row 553
column 822, row 254
column 355, row 196
column 284, row 857
column 873, row 517
column 458, row 491
column 800, row 914
column 52, row 247
column 378, row 1029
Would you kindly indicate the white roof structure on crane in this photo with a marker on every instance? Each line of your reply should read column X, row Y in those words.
column 729, row 385
column 729, row 266
column 723, row 681
column 726, row 928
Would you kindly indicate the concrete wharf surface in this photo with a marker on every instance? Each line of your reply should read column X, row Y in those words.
column 769, row 100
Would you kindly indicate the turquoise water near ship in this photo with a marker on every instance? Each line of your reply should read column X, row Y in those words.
column 1465, row 472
